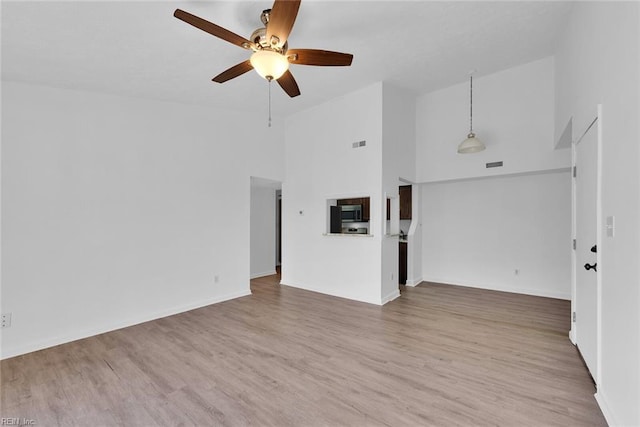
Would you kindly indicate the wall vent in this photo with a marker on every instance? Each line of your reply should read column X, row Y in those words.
column 494, row 165
column 359, row 144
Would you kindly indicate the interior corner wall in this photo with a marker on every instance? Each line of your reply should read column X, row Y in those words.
column 398, row 154
column 415, row 246
column 117, row 211
column 504, row 233
column 321, row 164
column 399, row 135
column 598, row 62
column 513, row 114
column 263, row 231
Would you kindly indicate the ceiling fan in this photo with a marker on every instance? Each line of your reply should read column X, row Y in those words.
column 271, row 54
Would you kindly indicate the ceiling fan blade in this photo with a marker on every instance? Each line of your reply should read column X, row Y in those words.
column 233, row 72
column 288, row 84
column 212, row 29
column 319, row 57
column 283, row 15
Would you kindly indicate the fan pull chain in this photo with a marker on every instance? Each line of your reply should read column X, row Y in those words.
column 270, row 80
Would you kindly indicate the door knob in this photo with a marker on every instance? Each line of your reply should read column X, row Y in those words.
column 587, row 266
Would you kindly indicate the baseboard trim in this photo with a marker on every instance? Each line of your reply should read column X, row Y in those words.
column 532, row 292
column 266, row 273
column 86, row 333
column 413, row 282
column 605, row 408
column 330, row 292
column 390, row 296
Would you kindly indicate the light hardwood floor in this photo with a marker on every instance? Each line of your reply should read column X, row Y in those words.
column 438, row 355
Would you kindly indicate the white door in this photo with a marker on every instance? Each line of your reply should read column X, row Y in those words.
column 586, row 294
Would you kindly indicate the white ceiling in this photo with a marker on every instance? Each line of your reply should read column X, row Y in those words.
column 139, row 49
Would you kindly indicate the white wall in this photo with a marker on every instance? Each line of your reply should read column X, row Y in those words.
column 321, row 164
column 473, row 233
column 263, row 229
column 598, row 61
column 398, row 152
column 399, row 135
column 414, row 256
column 513, row 114
column 478, row 232
column 116, row 210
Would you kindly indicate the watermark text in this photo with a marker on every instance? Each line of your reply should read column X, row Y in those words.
column 17, row 421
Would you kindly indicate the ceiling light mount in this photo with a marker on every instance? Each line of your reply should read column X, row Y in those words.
column 471, row 144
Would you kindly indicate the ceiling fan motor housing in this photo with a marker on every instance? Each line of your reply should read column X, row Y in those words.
column 259, row 37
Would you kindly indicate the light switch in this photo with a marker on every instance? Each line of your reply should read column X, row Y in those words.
column 610, row 226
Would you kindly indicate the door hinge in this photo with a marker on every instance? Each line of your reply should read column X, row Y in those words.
column 575, row 171
column 574, row 244
column 574, row 317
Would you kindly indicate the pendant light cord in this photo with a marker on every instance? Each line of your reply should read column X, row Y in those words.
column 471, row 103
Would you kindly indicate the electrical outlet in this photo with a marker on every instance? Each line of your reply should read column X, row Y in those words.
column 6, row 320
column 216, row 278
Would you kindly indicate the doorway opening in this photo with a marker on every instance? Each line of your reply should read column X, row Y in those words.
column 265, row 227
column 279, row 232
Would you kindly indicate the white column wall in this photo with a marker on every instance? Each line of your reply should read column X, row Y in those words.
column 398, row 152
column 321, row 164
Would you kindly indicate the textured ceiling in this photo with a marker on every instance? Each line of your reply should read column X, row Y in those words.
column 139, row 49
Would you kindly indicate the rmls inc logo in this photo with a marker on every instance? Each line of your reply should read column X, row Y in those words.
column 17, row 421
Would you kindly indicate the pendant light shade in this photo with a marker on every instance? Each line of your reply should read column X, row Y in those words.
column 269, row 64
column 471, row 144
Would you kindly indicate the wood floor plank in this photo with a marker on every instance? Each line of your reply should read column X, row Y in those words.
column 438, row 355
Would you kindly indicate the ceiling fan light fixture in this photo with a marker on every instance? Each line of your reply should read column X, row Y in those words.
column 270, row 64
column 270, row 47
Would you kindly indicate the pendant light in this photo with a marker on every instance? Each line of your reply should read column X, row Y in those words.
column 471, row 144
